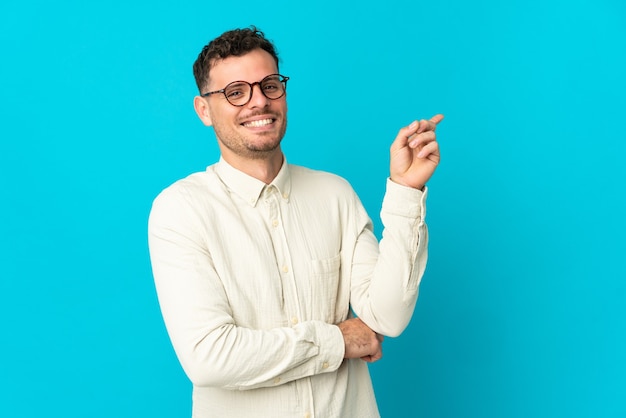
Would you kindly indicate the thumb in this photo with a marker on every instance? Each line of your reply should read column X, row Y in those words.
column 403, row 136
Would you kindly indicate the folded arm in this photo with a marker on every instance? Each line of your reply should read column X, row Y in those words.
column 212, row 348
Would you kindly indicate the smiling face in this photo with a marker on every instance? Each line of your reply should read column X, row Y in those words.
column 252, row 131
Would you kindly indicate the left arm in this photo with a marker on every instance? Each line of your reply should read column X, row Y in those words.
column 385, row 277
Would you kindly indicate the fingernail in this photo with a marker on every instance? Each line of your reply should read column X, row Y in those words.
column 413, row 125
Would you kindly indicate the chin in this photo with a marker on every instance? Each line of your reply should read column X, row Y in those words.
column 267, row 147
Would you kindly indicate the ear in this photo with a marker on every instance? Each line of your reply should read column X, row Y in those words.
column 201, row 106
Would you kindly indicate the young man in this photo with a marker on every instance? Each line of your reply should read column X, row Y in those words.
column 257, row 263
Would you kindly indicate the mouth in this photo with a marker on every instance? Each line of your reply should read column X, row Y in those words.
column 258, row 123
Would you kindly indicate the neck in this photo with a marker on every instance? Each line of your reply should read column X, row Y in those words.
column 265, row 168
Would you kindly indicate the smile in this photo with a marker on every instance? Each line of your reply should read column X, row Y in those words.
column 258, row 123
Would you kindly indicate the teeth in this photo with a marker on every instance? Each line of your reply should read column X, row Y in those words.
column 258, row 123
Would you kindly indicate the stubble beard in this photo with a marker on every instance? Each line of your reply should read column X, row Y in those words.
column 242, row 146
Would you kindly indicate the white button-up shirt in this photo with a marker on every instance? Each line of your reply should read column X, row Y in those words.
column 253, row 278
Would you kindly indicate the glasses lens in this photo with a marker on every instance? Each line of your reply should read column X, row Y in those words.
column 238, row 93
column 272, row 86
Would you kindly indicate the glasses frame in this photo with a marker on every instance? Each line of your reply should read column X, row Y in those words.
column 283, row 79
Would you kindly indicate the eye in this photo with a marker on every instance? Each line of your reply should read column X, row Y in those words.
column 271, row 84
column 236, row 91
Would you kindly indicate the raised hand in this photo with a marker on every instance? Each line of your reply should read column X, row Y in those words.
column 415, row 153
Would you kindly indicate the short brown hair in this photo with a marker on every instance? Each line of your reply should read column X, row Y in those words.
column 235, row 42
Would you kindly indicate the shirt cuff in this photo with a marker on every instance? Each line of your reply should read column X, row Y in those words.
column 332, row 347
column 404, row 201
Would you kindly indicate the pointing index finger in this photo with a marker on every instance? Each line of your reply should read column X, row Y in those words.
column 437, row 118
column 429, row 125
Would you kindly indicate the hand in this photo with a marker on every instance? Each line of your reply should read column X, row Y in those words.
column 361, row 342
column 415, row 153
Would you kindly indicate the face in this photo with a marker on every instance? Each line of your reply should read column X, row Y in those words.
column 255, row 129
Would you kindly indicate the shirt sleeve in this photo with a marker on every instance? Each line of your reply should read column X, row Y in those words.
column 385, row 276
column 212, row 349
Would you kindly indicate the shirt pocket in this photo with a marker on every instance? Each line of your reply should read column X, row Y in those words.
column 325, row 289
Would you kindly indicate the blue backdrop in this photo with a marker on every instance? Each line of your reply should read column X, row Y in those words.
column 522, row 311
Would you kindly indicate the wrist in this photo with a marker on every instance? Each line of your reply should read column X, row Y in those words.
column 419, row 187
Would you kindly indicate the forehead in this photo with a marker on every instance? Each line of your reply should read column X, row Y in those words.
column 251, row 67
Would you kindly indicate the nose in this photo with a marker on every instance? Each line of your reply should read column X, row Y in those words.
column 257, row 99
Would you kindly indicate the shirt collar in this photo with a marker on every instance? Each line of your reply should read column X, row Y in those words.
column 250, row 188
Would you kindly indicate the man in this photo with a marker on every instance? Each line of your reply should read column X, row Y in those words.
column 258, row 263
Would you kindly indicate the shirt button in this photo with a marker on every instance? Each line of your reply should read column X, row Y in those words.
column 277, row 380
column 274, row 223
column 294, row 320
column 252, row 200
column 285, row 269
column 285, row 195
column 307, row 415
column 325, row 365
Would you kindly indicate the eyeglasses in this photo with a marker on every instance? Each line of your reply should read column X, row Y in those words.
column 239, row 93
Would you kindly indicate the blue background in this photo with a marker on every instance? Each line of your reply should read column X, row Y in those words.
column 522, row 311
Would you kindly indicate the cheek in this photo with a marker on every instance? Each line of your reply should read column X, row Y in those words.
column 224, row 117
column 282, row 107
